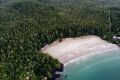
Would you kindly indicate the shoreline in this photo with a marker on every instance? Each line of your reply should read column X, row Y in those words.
column 89, row 55
column 72, row 49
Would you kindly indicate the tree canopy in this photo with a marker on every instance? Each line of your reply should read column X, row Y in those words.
column 27, row 26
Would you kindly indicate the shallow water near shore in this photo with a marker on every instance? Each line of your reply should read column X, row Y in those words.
column 104, row 66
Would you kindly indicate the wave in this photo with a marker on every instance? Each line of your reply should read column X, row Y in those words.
column 85, row 57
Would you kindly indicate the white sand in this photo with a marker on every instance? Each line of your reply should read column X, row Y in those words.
column 73, row 48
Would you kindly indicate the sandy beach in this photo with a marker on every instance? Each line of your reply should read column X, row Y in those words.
column 72, row 48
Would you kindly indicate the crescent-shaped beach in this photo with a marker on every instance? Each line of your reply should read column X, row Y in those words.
column 70, row 49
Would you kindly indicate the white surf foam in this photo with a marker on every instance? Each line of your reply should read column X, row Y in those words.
column 85, row 57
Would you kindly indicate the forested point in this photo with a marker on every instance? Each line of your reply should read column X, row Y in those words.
column 28, row 25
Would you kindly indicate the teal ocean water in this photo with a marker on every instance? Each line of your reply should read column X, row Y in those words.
column 105, row 66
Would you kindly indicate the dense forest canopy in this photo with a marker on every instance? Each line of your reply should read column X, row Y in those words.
column 28, row 25
column 102, row 3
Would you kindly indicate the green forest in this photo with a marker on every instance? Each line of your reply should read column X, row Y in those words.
column 28, row 25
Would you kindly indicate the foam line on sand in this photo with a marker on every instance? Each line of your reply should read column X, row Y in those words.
column 71, row 49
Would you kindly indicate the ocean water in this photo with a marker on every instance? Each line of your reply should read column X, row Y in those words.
column 104, row 66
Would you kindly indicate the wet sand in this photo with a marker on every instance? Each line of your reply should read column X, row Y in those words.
column 72, row 48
